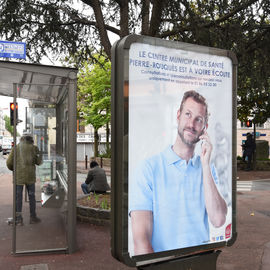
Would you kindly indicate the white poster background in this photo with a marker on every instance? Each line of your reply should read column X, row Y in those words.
column 158, row 78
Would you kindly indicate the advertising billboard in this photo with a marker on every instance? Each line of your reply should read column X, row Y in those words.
column 178, row 148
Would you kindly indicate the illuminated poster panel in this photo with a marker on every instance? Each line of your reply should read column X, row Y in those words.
column 180, row 148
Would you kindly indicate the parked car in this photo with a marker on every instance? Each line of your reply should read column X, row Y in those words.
column 7, row 144
column 1, row 142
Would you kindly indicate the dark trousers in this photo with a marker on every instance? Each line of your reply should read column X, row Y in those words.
column 32, row 198
column 86, row 191
column 85, row 188
column 249, row 158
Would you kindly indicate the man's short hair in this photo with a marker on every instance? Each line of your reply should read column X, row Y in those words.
column 197, row 98
column 93, row 164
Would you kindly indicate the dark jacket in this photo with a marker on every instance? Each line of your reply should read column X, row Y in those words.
column 249, row 146
column 97, row 180
column 28, row 156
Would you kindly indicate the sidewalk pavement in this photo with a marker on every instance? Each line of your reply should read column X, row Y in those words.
column 251, row 251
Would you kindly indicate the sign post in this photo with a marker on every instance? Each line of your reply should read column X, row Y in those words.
column 9, row 49
column 173, row 153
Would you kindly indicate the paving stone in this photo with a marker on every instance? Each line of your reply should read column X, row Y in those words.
column 35, row 267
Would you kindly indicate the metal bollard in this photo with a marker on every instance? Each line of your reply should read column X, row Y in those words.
column 86, row 162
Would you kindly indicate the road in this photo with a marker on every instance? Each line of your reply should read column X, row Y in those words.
column 253, row 185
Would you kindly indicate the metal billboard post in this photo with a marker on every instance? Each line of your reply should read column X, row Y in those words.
column 205, row 261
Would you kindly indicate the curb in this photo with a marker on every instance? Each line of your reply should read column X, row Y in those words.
column 96, row 216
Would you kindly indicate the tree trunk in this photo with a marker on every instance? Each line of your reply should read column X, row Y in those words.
column 145, row 17
column 156, row 17
column 124, row 18
column 96, row 141
column 107, row 138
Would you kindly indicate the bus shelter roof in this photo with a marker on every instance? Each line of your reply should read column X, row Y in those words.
column 42, row 83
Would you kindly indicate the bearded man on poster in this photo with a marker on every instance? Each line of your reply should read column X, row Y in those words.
column 174, row 193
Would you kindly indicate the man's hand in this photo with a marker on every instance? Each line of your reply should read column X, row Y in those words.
column 215, row 205
column 206, row 149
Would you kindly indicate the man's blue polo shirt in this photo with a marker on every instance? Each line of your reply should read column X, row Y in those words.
column 173, row 190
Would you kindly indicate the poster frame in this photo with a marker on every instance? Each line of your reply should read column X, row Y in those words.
column 119, row 169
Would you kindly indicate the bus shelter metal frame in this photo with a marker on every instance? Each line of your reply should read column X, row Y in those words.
column 70, row 84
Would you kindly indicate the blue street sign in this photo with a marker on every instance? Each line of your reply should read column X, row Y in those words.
column 258, row 134
column 11, row 49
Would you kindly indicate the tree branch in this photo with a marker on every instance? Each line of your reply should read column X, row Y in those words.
column 80, row 21
column 178, row 29
column 233, row 12
column 249, row 47
column 83, row 20
column 95, row 4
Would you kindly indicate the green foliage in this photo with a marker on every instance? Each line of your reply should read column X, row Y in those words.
column 254, row 83
column 37, row 23
column 8, row 127
column 100, row 201
column 94, row 93
column 96, row 198
column 104, row 205
column 108, row 154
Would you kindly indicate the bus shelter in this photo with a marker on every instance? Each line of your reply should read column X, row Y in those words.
column 50, row 119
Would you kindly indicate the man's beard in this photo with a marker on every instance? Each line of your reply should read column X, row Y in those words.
column 189, row 142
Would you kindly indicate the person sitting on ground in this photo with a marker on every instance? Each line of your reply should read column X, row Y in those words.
column 96, row 180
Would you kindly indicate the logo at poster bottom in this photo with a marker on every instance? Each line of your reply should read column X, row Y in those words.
column 228, row 231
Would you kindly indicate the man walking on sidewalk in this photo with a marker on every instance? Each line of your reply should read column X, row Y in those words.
column 27, row 157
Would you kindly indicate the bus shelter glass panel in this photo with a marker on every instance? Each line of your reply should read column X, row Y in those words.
column 41, row 192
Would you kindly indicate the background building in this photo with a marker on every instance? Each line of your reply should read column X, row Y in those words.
column 85, row 138
column 85, row 141
column 262, row 133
